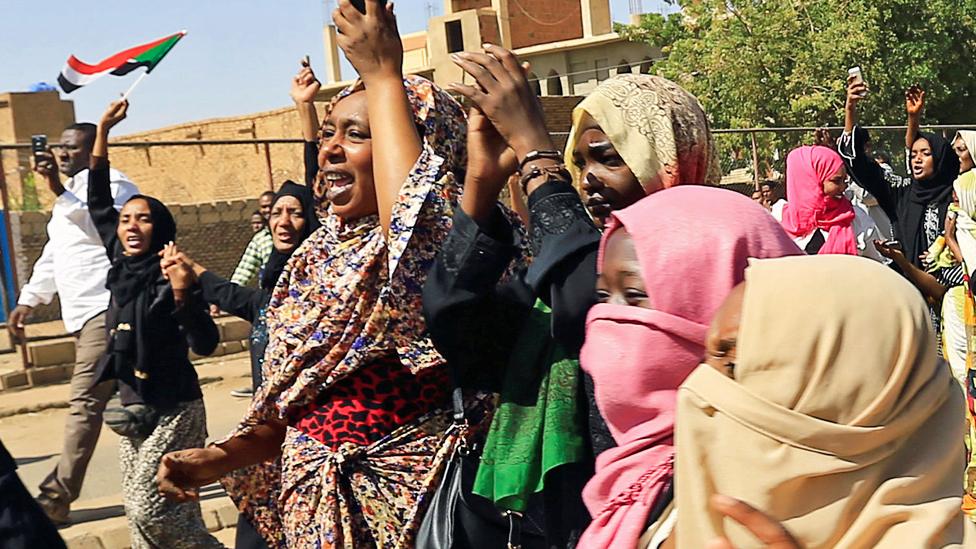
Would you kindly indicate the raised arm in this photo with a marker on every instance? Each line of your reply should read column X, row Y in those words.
column 856, row 91
column 372, row 44
column 863, row 169
column 101, row 205
column 564, row 239
column 304, row 88
column 914, row 103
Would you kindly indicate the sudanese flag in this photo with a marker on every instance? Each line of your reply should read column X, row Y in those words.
column 76, row 73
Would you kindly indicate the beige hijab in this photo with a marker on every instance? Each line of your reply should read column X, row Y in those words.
column 657, row 127
column 840, row 422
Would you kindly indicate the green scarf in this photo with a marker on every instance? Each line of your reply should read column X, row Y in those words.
column 537, row 425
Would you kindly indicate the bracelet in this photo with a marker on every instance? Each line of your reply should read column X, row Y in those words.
column 557, row 173
column 536, row 155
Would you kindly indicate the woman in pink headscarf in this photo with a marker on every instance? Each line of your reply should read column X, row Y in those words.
column 665, row 265
column 818, row 216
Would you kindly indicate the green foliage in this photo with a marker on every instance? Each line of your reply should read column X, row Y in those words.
column 29, row 200
column 767, row 63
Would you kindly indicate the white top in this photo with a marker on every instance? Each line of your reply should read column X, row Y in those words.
column 865, row 230
column 73, row 263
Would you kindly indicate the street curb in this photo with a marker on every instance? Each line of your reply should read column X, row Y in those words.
column 51, row 405
column 217, row 515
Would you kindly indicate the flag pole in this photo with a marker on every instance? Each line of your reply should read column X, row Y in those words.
column 133, row 86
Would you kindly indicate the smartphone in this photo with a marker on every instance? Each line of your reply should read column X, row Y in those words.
column 893, row 244
column 361, row 4
column 854, row 76
column 38, row 144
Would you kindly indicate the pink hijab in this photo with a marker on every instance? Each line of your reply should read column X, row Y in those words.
column 807, row 168
column 693, row 244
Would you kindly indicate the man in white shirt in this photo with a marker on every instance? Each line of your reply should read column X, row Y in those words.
column 74, row 266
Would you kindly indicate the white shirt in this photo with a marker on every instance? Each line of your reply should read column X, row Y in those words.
column 73, row 263
column 865, row 231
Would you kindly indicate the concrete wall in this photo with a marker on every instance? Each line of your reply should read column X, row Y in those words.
column 212, row 233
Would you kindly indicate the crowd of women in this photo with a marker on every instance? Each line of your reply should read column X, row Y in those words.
column 659, row 363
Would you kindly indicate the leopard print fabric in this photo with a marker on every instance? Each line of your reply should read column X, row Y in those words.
column 372, row 403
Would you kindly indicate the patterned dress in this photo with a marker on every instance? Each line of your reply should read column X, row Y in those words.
column 343, row 323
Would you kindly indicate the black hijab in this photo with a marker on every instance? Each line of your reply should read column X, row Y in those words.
column 936, row 190
column 277, row 261
column 130, row 275
column 130, row 281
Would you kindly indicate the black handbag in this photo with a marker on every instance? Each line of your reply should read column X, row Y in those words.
column 459, row 519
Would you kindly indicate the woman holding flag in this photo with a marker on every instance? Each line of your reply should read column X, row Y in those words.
column 355, row 399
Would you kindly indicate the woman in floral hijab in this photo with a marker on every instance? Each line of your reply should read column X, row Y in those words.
column 356, row 399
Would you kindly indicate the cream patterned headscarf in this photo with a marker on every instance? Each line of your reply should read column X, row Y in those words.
column 658, row 128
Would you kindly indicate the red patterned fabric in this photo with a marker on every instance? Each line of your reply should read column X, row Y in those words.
column 371, row 404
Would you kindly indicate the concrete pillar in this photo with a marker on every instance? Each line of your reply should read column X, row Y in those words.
column 504, row 29
column 596, row 17
column 333, row 71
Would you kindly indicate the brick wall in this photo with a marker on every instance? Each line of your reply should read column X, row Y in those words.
column 534, row 22
column 200, row 173
column 213, row 233
column 461, row 5
column 558, row 111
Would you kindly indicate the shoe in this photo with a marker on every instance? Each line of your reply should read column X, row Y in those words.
column 54, row 509
column 242, row 393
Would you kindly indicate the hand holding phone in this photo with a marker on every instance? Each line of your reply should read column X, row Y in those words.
column 856, row 79
column 38, row 145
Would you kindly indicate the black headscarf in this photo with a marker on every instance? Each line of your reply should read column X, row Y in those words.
column 131, row 281
column 277, row 261
column 935, row 190
column 130, row 275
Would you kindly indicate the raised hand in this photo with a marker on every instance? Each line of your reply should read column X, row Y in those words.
column 115, row 113
column 856, row 91
column 370, row 40
column 304, row 86
column 822, row 137
column 771, row 533
column 490, row 162
column 503, row 94
column 914, row 100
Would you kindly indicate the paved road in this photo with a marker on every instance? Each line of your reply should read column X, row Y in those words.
column 35, row 439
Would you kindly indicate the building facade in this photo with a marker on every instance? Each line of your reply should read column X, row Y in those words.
column 570, row 44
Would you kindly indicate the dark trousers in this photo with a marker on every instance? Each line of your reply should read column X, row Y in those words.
column 247, row 537
column 23, row 524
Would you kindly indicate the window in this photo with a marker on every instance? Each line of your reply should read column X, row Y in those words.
column 602, row 70
column 455, row 36
column 534, row 82
column 623, row 67
column 554, row 85
column 645, row 66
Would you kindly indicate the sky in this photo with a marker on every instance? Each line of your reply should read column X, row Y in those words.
column 238, row 56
